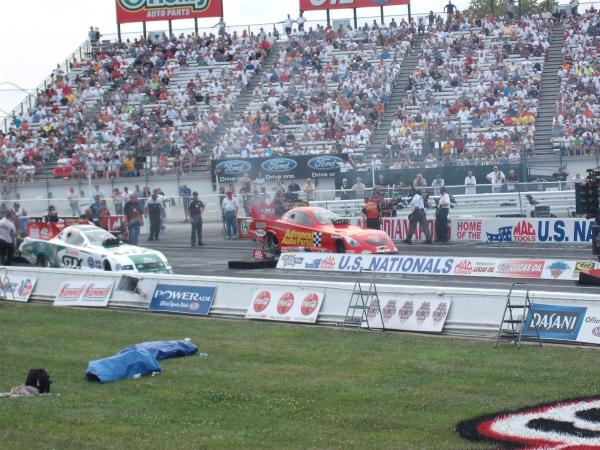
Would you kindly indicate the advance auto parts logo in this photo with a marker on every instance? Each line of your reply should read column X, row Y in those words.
column 563, row 424
column 136, row 5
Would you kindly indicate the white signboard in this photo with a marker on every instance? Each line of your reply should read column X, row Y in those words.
column 18, row 288
column 287, row 305
column 407, row 313
column 78, row 293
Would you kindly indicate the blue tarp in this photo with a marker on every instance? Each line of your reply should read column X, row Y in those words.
column 165, row 349
column 121, row 366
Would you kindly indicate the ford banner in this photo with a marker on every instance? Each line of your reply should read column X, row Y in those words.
column 183, row 299
column 277, row 167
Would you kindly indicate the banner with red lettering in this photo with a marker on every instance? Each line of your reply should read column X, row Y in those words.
column 287, row 305
column 82, row 293
column 150, row 10
column 315, row 5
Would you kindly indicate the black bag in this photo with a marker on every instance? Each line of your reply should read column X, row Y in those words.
column 40, row 379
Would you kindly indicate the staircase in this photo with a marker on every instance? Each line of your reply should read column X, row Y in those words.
column 379, row 137
column 548, row 94
column 239, row 107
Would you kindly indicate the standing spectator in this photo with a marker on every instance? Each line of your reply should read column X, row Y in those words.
column 288, row 25
column 437, row 184
column 577, row 179
column 133, row 218
column 97, row 191
column 301, row 21
column 153, row 211
column 511, row 181
column 186, row 195
column 510, row 10
column 195, row 210
column 344, row 190
column 441, row 216
column 104, row 215
column 96, row 207
column 293, row 189
column 450, row 9
column 418, row 216
column 359, row 188
column 497, row 179
column 7, row 239
column 574, row 5
column 419, row 181
column 117, row 197
column 372, row 214
column 73, row 199
column 222, row 27
column 230, row 208
column 470, row 184
column 309, row 189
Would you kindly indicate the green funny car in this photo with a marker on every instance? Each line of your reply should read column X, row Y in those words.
column 89, row 247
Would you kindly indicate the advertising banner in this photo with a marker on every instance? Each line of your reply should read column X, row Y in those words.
column 182, row 299
column 496, row 230
column 408, row 314
column 244, row 227
column 315, row 5
column 81, row 293
column 150, row 10
column 555, row 321
column 277, row 168
column 18, row 288
column 436, row 265
column 287, row 305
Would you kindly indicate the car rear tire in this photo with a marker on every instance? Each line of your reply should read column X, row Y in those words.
column 271, row 244
column 107, row 266
column 41, row 261
column 339, row 246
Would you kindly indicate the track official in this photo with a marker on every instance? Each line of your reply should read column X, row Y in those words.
column 154, row 211
column 418, row 216
column 371, row 212
column 195, row 211
column 230, row 208
column 7, row 239
column 441, row 216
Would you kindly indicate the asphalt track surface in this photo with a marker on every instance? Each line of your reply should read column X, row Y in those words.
column 212, row 258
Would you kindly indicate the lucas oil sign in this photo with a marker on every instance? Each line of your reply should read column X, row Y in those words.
column 182, row 299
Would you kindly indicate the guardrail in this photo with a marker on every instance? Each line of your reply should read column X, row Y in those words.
column 561, row 204
column 474, row 311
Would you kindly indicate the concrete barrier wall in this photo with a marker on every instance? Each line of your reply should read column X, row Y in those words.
column 475, row 312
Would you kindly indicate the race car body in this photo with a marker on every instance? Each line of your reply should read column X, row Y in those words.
column 318, row 230
column 90, row 247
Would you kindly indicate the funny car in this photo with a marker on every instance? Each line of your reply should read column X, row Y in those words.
column 317, row 230
column 89, row 247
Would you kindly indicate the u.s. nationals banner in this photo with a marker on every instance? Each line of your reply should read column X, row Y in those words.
column 534, row 268
column 315, row 5
column 149, row 10
column 406, row 313
column 82, row 293
column 287, row 305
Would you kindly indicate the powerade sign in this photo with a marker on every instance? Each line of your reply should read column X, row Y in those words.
column 182, row 299
column 555, row 322
column 277, row 168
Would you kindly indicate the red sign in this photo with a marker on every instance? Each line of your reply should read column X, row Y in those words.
column 150, row 10
column 313, row 5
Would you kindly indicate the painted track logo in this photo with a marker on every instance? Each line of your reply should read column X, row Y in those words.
column 566, row 424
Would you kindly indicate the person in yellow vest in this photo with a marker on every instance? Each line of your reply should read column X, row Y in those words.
column 372, row 213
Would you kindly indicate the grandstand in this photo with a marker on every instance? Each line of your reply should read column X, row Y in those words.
column 467, row 91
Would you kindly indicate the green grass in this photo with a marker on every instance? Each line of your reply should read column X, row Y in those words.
column 266, row 385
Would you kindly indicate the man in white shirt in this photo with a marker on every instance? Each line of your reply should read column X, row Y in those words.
column 418, row 216
column 577, row 179
column 73, row 199
column 300, row 21
column 441, row 216
column 309, row 189
column 7, row 239
column 437, row 184
column 230, row 206
column 359, row 189
column 497, row 179
column 470, row 184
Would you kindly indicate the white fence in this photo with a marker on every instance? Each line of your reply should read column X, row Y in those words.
column 476, row 312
